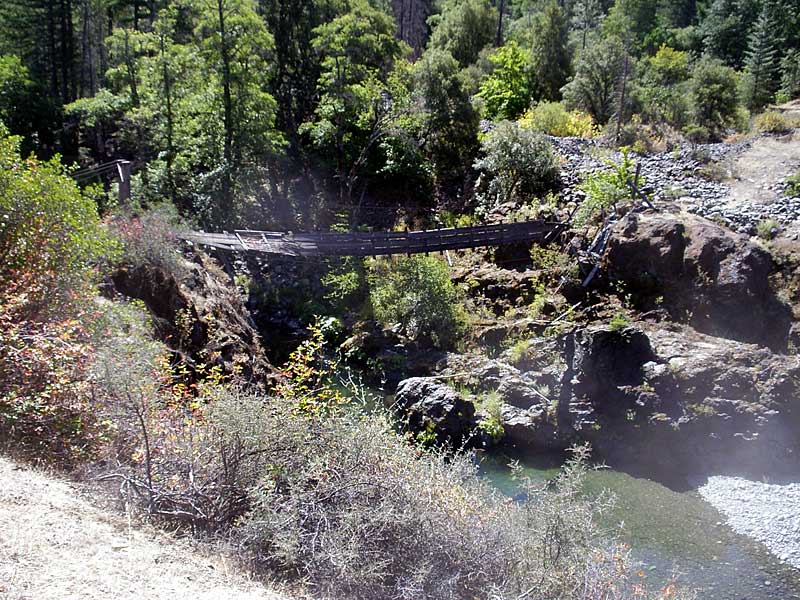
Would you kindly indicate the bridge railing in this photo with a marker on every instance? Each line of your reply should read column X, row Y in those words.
column 380, row 243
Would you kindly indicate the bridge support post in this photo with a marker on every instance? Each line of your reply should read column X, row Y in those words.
column 124, row 173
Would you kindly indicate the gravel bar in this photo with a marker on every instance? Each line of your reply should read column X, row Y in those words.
column 768, row 513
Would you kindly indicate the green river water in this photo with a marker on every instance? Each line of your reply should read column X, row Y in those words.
column 676, row 535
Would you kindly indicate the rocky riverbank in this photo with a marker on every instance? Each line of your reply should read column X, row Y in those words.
column 696, row 378
column 739, row 185
column 767, row 512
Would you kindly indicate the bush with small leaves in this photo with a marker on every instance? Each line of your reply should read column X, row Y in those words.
column 553, row 119
column 517, row 164
column 606, row 190
column 793, row 186
column 768, row 229
column 50, row 233
column 418, row 295
column 771, row 121
column 150, row 237
column 714, row 96
column 51, row 244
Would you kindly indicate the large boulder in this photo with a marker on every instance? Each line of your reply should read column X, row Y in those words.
column 661, row 398
column 528, row 393
column 682, row 401
column 200, row 316
column 435, row 411
column 534, row 428
column 703, row 274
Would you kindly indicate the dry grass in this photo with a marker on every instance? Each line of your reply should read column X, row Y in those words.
column 56, row 544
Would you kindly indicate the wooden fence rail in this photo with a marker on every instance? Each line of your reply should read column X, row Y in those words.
column 377, row 243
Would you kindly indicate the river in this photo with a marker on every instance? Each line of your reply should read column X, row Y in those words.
column 676, row 535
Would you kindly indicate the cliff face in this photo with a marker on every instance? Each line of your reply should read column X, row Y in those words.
column 701, row 376
column 200, row 317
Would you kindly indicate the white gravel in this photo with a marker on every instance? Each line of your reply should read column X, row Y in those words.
column 766, row 512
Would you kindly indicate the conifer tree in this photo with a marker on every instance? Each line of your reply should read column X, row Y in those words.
column 761, row 79
column 790, row 75
column 725, row 30
column 551, row 59
column 586, row 15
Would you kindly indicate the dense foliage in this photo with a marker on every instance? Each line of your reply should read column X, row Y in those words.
column 51, row 241
column 339, row 115
column 417, row 294
column 298, row 114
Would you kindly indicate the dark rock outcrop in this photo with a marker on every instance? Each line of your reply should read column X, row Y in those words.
column 502, row 288
column 433, row 409
column 680, row 401
column 200, row 317
column 704, row 275
column 661, row 398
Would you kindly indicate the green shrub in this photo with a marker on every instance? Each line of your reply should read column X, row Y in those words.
column 517, row 164
column 349, row 507
column 506, row 92
column 696, row 134
column 417, row 294
column 518, row 351
column 51, row 244
column 771, row 121
column 150, row 237
column 618, row 322
column 768, row 229
column 48, row 412
column 50, row 231
column 661, row 88
column 607, row 189
column 714, row 96
column 553, row 119
column 345, row 284
column 450, row 219
column 793, row 185
column 634, row 134
column 491, row 405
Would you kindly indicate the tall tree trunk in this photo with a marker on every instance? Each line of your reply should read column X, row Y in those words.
column 51, row 34
column 103, row 49
column 130, row 67
column 168, row 106
column 621, row 111
column 501, row 11
column 227, row 102
column 63, row 47
column 85, row 53
column 73, row 80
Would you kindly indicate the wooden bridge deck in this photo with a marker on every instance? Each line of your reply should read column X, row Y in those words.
column 377, row 243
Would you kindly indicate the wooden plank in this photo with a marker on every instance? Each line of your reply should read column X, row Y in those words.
column 377, row 243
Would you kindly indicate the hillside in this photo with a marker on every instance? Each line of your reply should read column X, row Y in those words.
column 55, row 543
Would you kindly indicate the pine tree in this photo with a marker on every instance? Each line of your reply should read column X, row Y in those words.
column 551, row 58
column 725, row 30
column 790, row 75
column 586, row 15
column 761, row 79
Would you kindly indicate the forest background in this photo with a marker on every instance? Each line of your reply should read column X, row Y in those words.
column 296, row 114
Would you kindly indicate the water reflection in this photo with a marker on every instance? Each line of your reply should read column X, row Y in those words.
column 673, row 533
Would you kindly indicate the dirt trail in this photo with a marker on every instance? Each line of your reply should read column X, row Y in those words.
column 760, row 170
column 54, row 544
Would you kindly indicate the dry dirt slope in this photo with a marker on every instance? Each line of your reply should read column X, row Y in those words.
column 54, row 544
